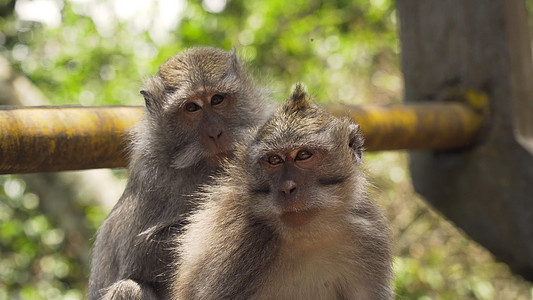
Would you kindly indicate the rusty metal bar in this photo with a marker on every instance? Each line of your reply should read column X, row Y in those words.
column 47, row 139
column 430, row 126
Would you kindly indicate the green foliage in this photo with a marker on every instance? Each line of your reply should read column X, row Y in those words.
column 434, row 259
column 35, row 262
column 342, row 50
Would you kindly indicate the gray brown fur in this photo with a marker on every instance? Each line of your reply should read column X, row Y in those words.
column 131, row 256
column 236, row 247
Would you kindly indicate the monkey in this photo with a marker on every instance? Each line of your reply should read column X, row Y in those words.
column 199, row 103
column 288, row 218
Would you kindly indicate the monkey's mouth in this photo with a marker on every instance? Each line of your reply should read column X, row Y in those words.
column 296, row 218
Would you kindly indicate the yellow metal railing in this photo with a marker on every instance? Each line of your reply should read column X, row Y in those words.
column 45, row 139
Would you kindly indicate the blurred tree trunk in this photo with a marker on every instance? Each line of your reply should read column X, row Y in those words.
column 485, row 46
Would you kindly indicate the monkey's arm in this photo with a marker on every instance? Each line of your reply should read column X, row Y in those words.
column 138, row 267
column 129, row 289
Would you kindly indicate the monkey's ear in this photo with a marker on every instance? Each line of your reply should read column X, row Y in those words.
column 153, row 93
column 355, row 141
column 234, row 61
column 148, row 100
column 146, row 96
column 233, row 52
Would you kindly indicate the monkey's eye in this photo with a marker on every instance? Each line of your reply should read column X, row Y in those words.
column 274, row 160
column 192, row 107
column 217, row 99
column 303, row 155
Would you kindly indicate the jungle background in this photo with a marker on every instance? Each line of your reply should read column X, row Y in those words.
column 84, row 52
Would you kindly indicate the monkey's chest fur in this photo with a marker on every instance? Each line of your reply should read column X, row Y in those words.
column 317, row 274
column 254, row 262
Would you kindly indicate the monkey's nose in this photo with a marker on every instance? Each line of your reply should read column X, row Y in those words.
column 214, row 133
column 288, row 187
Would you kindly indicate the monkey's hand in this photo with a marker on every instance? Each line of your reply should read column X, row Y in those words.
column 128, row 289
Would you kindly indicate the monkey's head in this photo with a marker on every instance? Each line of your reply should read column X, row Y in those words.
column 198, row 103
column 303, row 165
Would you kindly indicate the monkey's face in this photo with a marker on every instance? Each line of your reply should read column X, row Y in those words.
column 203, row 125
column 200, row 103
column 304, row 166
column 291, row 175
column 307, row 181
column 208, row 115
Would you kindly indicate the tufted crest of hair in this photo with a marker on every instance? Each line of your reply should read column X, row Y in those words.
column 299, row 117
column 299, row 122
column 296, row 116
